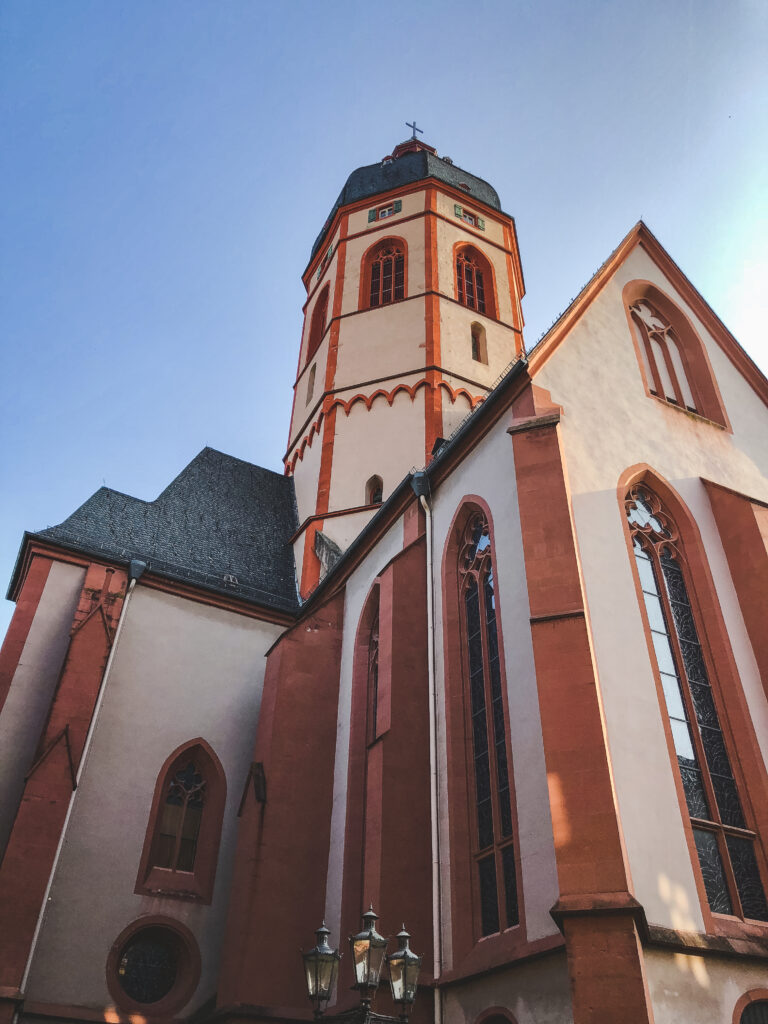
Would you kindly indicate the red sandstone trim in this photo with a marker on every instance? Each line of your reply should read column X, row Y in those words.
column 735, row 515
column 188, row 968
column 26, row 607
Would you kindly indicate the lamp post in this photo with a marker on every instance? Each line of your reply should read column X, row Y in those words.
column 321, row 965
column 369, row 949
column 404, row 966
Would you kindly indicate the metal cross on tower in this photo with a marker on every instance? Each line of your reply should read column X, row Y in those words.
column 415, row 129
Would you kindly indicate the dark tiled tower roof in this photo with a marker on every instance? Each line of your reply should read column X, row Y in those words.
column 222, row 524
column 419, row 162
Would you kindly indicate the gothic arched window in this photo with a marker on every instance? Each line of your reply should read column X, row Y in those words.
column 672, row 355
column 183, row 833
column 385, row 273
column 662, row 359
column 474, row 281
column 317, row 323
column 493, row 846
column 175, row 845
column 374, row 491
column 726, row 844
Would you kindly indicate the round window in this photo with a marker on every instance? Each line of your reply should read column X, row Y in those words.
column 148, row 965
column 153, row 966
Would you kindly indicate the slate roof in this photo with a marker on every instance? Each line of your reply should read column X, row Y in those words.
column 410, row 167
column 219, row 517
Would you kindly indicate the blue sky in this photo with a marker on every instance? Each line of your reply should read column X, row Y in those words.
column 165, row 167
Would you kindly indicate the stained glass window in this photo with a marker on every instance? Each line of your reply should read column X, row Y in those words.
column 493, row 838
column 387, row 270
column 148, row 965
column 179, row 827
column 725, row 843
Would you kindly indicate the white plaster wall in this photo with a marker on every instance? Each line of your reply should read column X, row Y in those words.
column 381, row 342
column 344, row 529
column 456, row 344
column 447, row 236
column 29, row 697
column 696, row 988
column 356, row 592
column 535, row 992
column 489, row 473
column 413, row 202
column 199, row 671
column 609, row 425
column 413, row 233
column 494, row 230
column 306, row 476
column 302, row 411
column 386, row 440
column 454, row 412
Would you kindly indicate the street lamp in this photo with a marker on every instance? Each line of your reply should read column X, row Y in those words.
column 321, row 965
column 404, row 967
column 368, row 949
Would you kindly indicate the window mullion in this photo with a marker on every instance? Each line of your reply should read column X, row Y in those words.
column 671, row 371
column 179, row 833
column 657, row 385
column 690, row 710
column 491, row 734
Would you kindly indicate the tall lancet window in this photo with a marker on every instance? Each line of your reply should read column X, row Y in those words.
column 725, row 843
column 662, row 358
column 493, row 838
column 179, row 827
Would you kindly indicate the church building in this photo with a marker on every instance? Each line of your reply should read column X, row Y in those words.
column 490, row 656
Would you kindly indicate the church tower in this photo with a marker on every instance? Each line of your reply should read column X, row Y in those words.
column 413, row 312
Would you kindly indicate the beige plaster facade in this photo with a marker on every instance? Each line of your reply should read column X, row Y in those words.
column 609, row 425
column 199, row 671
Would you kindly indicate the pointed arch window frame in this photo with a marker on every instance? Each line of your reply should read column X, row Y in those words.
column 692, row 357
column 466, row 254
column 465, row 853
column 748, row 779
column 196, row 884
column 318, row 322
column 369, row 259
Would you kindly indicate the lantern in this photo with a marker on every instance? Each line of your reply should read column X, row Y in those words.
column 321, row 965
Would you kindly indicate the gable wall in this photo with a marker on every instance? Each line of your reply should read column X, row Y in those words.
column 610, row 424
column 197, row 670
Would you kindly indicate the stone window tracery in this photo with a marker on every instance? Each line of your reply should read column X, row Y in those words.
column 725, row 843
column 386, row 274
column 662, row 358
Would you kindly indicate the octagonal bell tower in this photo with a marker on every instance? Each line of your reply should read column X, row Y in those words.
column 413, row 311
